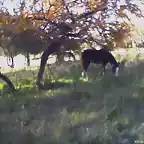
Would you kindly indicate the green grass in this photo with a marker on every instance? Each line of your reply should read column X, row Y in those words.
column 100, row 110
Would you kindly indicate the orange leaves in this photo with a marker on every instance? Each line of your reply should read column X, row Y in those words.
column 53, row 11
column 14, row 24
column 92, row 4
column 22, row 24
column 35, row 15
column 49, row 3
column 121, row 12
column 123, row 15
column 40, row 15
column 123, row 7
column 7, row 23
column 24, row 20
column 127, row 27
column 122, row 33
column 52, row 8
column 100, row 24
column 4, row 18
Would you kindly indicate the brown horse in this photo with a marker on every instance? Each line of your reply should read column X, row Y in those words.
column 101, row 56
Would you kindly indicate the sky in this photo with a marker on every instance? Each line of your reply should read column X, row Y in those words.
column 10, row 4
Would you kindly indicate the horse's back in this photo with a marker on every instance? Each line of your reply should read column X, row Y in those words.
column 96, row 55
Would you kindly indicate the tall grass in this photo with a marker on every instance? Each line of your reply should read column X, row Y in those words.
column 102, row 110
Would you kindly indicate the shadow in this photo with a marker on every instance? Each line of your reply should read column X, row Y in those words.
column 69, row 108
column 92, row 94
column 53, row 85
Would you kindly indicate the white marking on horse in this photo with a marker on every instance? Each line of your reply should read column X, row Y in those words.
column 85, row 75
column 82, row 74
column 117, row 71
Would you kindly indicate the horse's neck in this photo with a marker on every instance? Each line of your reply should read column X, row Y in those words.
column 113, row 62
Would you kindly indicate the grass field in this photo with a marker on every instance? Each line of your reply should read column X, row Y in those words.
column 99, row 111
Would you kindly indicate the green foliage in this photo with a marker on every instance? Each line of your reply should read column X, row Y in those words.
column 27, row 36
column 29, row 41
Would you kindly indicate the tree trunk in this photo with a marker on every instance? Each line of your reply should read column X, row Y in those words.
column 54, row 47
column 28, row 59
column 59, row 58
column 6, row 79
column 10, row 60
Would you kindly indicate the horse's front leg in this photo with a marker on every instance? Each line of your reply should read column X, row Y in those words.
column 85, row 65
column 102, row 69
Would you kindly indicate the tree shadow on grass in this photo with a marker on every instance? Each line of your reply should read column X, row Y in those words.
column 81, row 104
column 106, row 88
column 130, row 85
column 53, row 85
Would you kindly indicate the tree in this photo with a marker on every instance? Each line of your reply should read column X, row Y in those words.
column 113, row 33
column 57, row 19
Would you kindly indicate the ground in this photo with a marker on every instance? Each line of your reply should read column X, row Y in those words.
column 75, row 111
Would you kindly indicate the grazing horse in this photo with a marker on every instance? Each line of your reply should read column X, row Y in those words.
column 101, row 56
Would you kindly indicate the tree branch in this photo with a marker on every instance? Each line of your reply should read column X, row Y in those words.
column 66, row 6
column 84, row 15
column 6, row 79
column 63, row 26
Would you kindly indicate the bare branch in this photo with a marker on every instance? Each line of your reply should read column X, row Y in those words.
column 102, row 7
column 70, row 13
